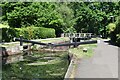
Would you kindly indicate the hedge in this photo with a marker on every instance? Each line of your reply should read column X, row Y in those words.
column 28, row 33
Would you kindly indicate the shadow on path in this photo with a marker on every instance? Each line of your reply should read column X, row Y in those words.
column 111, row 43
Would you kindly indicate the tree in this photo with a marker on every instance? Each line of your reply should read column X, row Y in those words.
column 92, row 17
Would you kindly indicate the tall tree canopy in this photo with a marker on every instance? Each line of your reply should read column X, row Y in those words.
column 63, row 17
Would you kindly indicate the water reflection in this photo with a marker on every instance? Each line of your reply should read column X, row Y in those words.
column 12, row 59
column 15, row 58
column 35, row 66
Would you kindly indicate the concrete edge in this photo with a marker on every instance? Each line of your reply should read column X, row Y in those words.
column 71, row 67
column 69, row 70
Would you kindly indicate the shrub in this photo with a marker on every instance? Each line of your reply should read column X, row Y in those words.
column 25, row 32
column 118, row 40
column 46, row 33
column 117, row 30
column 114, row 31
column 35, row 32
column 111, row 27
column 8, row 34
column 28, row 33
column 111, row 31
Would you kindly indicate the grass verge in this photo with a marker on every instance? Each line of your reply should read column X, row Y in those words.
column 78, row 52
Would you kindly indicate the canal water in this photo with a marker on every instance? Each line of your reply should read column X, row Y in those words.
column 35, row 66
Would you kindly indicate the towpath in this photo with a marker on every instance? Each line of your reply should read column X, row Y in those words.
column 104, row 63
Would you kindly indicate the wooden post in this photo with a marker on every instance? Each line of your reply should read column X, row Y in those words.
column 71, row 40
column 21, row 42
column 75, row 42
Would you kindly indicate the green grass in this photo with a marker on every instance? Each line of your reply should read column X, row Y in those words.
column 52, row 40
column 78, row 52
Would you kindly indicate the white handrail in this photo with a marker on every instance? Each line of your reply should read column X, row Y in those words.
column 76, row 35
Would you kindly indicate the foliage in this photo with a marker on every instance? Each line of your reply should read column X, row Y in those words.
column 92, row 17
column 50, row 15
column 63, row 17
column 114, row 31
column 111, row 27
column 28, row 33
column 44, row 32
column 8, row 34
column 4, row 26
column 118, row 39
column 117, row 30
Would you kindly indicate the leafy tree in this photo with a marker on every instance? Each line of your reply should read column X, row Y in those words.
column 94, row 16
column 51, row 15
column 90, row 17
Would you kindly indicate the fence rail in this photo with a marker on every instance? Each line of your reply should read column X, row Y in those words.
column 76, row 35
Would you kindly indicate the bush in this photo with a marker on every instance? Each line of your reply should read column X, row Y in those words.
column 35, row 32
column 118, row 40
column 117, row 30
column 8, row 34
column 25, row 32
column 111, row 31
column 111, row 27
column 28, row 33
column 114, row 31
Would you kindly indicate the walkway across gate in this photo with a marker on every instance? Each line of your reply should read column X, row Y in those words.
column 75, row 36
